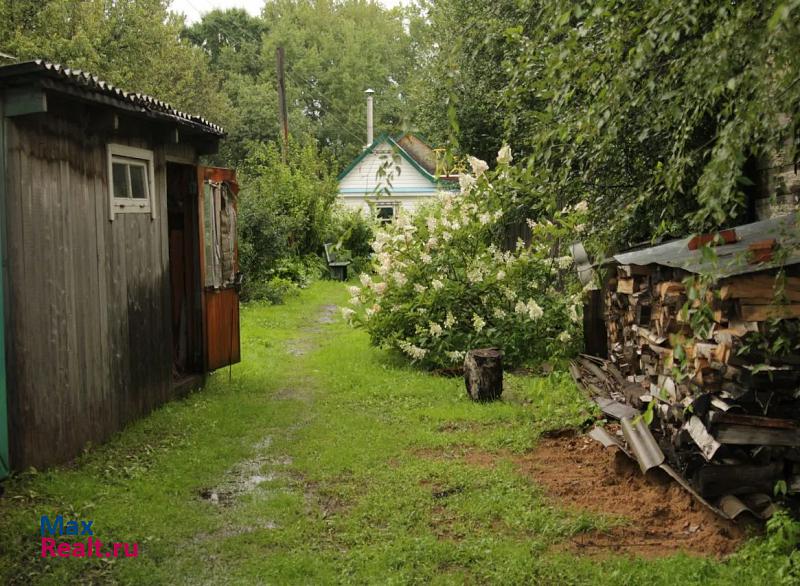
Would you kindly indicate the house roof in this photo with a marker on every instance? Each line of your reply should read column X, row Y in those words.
column 419, row 150
column 414, row 155
column 56, row 77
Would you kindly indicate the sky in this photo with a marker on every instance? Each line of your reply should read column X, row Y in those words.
column 193, row 8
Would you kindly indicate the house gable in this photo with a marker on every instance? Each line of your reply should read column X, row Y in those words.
column 407, row 175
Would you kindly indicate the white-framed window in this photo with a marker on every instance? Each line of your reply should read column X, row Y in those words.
column 386, row 211
column 131, row 180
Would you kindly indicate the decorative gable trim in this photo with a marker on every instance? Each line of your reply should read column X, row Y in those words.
column 388, row 139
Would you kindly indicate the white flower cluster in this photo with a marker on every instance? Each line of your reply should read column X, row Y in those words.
column 531, row 308
column 415, row 352
column 438, row 275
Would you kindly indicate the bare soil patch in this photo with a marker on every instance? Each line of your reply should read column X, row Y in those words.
column 657, row 517
column 578, row 473
column 326, row 314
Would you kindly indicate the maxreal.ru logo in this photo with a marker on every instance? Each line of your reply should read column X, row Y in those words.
column 85, row 547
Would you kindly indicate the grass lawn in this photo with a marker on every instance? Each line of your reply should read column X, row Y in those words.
column 317, row 463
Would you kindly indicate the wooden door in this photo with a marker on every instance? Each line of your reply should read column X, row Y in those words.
column 219, row 265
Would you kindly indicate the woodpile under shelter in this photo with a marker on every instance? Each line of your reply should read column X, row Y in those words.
column 695, row 353
column 120, row 275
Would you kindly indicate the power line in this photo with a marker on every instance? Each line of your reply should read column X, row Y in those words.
column 330, row 111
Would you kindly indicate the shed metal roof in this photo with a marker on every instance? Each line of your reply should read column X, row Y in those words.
column 91, row 84
column 731, row 259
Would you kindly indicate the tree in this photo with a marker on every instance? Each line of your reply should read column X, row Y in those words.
column 335, row 51
column 656, row 113
column 654, row 110
column 134, row 44
column 458, row 91
column 284, row 209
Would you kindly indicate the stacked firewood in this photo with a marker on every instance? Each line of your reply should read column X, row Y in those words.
column 721, row 367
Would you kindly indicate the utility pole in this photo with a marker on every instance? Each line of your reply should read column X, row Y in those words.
column 282, row 111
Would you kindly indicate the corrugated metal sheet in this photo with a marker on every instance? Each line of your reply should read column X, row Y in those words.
column 732, row 259
column 642, row 443
column 92, row 84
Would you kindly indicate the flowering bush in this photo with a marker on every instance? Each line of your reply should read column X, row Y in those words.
column 442, row 285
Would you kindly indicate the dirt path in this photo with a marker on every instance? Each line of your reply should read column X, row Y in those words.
column 649, row 516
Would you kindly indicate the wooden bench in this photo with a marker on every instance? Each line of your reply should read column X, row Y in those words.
column 337, row 268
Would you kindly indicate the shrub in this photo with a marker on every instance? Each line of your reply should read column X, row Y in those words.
column 352, row 233
column 285, row 278
column 354, row 230
column 445, row 286
column 274, row 290
column 285, row 211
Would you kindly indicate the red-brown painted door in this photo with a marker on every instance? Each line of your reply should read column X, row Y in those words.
column 219, row 265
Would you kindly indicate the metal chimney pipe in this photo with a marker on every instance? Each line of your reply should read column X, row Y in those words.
column 370, row 127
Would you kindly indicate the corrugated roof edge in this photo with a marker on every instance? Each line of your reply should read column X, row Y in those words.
column 732, row 259
column 91, row 83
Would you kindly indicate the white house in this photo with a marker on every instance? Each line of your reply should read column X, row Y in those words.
column 390, row 175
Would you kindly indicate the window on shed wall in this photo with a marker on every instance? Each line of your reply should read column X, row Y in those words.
column 132, row 187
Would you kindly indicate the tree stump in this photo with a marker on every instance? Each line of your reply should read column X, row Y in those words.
column 483, row 374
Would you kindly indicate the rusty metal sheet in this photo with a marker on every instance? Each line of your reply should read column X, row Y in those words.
column 642, row 443
column 732, row 259
column 222, row 328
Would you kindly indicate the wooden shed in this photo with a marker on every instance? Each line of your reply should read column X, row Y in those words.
column 120, row 274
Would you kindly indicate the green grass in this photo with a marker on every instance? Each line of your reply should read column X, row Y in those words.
column 342, row 433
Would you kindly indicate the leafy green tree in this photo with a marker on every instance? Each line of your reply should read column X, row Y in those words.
column 656, row 110
column 232, row 40
column 134, row 44
column 457, row 93
column 335, row 51
column 656, row 113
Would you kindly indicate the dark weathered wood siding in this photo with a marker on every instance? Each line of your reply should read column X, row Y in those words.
column 89, row 326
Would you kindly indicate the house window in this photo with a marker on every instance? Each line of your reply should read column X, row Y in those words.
column 132, row 187
column 386, row 212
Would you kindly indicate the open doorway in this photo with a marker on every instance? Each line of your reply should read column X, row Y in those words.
column 184, row 274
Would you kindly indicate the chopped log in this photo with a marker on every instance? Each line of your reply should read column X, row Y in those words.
column 669, row 289
column 634, row 270
column 765, row 312
column 759, row 286
column 714, row 481
column 483, row 374
column 754, row 420
column 625, row 286
column 749, row 435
